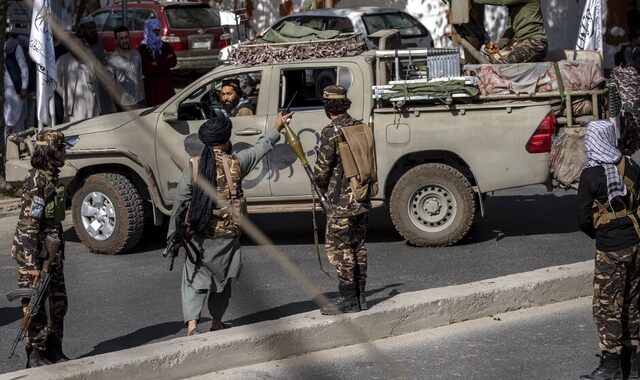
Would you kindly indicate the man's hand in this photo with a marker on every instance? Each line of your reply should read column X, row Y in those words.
column 35, row 273
column 491, row 48
column 281, row 120
column 23, row 93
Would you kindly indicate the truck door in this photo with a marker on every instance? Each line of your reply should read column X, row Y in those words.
column 192, row 107
column 300, row 85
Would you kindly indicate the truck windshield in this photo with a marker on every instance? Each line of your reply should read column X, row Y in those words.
column 181, row 17
column 407, row 25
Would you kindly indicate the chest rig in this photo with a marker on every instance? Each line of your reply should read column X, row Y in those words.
column 54, row 201
column 225, row 221
column 604, row 213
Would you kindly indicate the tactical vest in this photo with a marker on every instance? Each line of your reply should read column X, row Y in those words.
column 225, row 221
column 603, row 213
column 54, row 202
column 358, row 153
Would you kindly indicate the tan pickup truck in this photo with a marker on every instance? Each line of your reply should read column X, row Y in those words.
column 436, row 158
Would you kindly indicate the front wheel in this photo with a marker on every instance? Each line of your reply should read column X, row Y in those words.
column 432, row 205
column 108, row 213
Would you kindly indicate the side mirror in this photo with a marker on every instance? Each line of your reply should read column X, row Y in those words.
column 170, row 116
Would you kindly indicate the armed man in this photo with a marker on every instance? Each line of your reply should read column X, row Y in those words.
column 38, row 247
column 526, row 39
column 215, row 227
column 347, row 217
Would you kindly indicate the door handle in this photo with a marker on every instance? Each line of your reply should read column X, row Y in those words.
column 248, row 132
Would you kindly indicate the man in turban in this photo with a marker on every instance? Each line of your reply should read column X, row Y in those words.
column 215, row 223
column 608, row 213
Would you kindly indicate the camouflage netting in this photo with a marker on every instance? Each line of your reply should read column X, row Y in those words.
column 252, row 53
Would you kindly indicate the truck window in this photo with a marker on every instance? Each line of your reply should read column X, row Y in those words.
column 302, row 88
column 100, row 19
column 204, row 103
column 141, row 16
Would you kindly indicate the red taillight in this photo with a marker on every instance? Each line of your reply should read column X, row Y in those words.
column 224, row 41
column 174, row 41
column 542, row 138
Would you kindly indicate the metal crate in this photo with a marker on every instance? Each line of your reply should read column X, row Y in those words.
column 439, row 62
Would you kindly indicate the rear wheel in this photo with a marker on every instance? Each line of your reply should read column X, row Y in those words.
column 432, row 205
column 108, row 213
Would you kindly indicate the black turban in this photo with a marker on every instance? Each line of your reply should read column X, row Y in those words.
column 214, row 131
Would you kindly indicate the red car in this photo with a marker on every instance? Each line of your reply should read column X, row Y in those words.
column 192, row 29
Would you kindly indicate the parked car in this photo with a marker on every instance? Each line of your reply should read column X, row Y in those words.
column 192, row 29
column 365, row 20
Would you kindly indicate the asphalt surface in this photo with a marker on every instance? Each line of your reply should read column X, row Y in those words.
column 118, row 302
column 556, row 341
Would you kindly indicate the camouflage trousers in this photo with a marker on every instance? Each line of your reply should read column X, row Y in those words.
column 344, row 244
column 527, row 50
column 50, row 318
column 616, row 286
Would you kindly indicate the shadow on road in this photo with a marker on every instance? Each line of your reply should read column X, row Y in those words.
column 524, row 215
column 139, row 337
column 305, row 306
column 9, row 315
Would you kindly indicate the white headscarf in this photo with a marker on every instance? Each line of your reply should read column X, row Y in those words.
column 601, row 144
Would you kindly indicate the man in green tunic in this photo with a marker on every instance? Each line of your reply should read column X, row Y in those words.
column 216, row 227
column 526, row 39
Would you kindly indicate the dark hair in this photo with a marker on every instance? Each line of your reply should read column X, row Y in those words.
column 44, row 158
column 232, row 82
column 336, row 106
column 120, row 29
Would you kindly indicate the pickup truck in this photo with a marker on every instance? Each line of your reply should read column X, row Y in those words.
column 436, row 159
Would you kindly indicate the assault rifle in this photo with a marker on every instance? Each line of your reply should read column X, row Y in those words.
column 296, row 146
column 179, row 239
column 36, row 294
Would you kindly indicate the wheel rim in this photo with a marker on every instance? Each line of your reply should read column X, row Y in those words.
column 432, row 208
column 98, row 216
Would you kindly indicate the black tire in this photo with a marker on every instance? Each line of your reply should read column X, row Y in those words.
column 113, row 219
column 441, row 201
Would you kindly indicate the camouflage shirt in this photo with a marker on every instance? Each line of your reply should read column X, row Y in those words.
column 329, row 173
column 40, row 187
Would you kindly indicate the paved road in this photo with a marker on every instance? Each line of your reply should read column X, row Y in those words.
column 551, row 342
column 118, row 302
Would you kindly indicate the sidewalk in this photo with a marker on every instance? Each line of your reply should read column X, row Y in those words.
column 308, row 332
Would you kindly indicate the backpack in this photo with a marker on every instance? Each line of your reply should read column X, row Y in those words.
column 358, row 152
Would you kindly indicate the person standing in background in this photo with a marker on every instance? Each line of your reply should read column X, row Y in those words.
column 16, row 82
column 158, row 58
column 125, row 65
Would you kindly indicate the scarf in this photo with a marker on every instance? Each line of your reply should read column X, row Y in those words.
column 213, row 132
column 153, row 42
column 601, row 144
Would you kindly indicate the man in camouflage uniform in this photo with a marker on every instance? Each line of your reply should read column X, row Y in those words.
column 607, row 204
column 526, row 39
column 216, row 227
column 346, row 218
column 39, row 238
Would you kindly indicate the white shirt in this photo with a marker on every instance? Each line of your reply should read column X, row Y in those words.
column 13, row 103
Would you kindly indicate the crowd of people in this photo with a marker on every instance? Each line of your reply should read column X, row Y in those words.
column 138, row 77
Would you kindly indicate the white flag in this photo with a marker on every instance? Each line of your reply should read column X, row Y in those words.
column 590, row 32
column 42, row 53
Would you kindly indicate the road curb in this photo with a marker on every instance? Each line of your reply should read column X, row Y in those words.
column 9, row 207
column 307, row 332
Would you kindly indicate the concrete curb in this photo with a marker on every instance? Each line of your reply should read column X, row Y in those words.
column 9, row 207
column 307, row 332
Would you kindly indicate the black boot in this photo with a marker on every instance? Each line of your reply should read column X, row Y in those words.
column 630, row 363
column 54, row 350
column 36, row 358
column 361, row 295
column 347, row 302
column 609, row 368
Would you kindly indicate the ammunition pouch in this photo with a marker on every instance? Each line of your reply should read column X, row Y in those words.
column 54, row 207
column 603, row 213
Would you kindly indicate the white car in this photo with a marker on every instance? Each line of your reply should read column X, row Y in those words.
column 365, row 20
